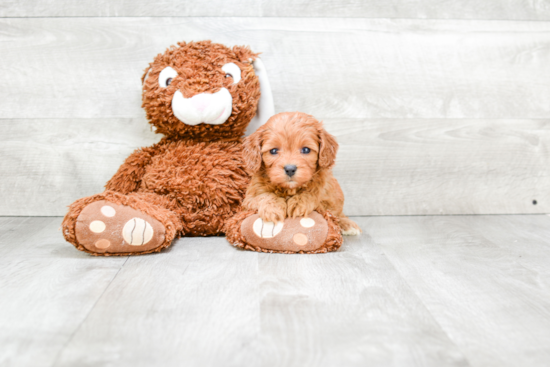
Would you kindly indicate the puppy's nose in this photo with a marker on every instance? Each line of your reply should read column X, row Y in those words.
column 290, row 169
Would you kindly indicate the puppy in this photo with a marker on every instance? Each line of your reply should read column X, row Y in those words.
column 290, row 159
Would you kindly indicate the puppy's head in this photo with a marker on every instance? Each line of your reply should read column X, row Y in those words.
column 291, row 147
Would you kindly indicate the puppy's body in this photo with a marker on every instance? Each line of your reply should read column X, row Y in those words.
column 291, row 159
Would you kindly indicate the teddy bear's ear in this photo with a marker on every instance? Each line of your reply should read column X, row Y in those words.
column 145, row 74
column 244, row 53
column 266, row 108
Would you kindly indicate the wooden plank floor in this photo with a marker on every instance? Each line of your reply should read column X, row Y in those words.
column 411, row 291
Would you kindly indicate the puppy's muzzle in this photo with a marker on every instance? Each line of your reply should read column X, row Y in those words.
column 290, row 170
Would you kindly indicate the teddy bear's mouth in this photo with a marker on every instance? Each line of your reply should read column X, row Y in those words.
column 206, row 108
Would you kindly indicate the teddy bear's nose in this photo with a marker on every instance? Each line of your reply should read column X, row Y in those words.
column 200, row 102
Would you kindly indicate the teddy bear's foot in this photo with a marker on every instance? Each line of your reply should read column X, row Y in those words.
column 107, row 228
column 294, row 235
column 312, row 234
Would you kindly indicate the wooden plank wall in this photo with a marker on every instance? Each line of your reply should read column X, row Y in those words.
column 425, row 9
column 440, row 107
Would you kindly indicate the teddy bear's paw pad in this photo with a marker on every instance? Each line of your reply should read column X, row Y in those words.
column 293, row 235
column 104, row 227
column 266, row 229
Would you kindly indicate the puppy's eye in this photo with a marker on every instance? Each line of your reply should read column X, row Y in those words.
column 166, row 76
column 274, row 151
column 305, row 150
column 232, row 71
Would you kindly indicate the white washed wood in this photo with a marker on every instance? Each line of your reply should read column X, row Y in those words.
column 207, row 304
column 381, row 300
column 47, row 164
column 385, row 167
column 454, row 9
column 16, row 230
column 337, row 68
column 349, row 308
column 484, row 279
column 410, row 166
column 12, row 229
column 194, row 305
column 47, row 288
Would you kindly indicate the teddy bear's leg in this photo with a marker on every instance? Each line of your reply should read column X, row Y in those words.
column 316, row 233
column 111, row 223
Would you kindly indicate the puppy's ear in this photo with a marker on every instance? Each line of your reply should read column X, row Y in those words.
column 252, row 151
column 328, row 146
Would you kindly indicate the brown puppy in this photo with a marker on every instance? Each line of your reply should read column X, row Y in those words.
column 290, row 159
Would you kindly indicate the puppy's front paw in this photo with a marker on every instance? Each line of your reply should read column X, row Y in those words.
column 274, row 212
column 298, row 207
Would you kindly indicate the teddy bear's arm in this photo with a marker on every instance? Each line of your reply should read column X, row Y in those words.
column 129, row 175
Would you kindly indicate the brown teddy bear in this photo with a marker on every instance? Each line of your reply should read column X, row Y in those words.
column 202, row 97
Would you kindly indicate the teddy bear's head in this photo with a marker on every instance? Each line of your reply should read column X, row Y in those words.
column 201, row 91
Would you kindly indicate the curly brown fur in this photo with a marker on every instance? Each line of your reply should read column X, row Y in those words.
column 273, row 192
column 204, row 182
column 193, row 180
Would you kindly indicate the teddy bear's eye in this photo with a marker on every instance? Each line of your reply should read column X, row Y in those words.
column 233, row 71
column 166, row 76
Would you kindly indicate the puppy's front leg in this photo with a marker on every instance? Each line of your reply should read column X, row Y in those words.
column 271, row 208
column 301, row 205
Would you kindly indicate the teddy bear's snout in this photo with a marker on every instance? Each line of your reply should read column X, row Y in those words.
column 207, row 108
column 201, row 101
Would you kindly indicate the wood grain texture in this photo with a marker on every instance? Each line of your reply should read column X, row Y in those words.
column 70, row 95
column 415, row 291
column 484, row 279
column 47, row 164
column 349, row 308
column 194, row 305
column 403, row 167
column 206, row 303
column 385, row 167
column 332, row 68
column 47, row 289
column 448, row 9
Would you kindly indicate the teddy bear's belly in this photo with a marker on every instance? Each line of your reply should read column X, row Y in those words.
column 199, row 176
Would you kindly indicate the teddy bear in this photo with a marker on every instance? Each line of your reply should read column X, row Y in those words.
column 202, row 97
